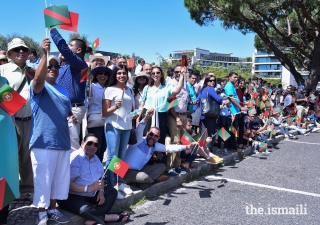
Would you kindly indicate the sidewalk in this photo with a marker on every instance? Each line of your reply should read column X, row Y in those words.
column 23, row 213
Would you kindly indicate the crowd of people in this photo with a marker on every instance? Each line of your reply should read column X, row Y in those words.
column 103, row 101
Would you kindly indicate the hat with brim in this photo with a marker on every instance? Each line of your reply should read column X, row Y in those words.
column 3, row 57
column 106, row 59
column 55, row 58
column 140, row 74
column 15, row 43
column 101, row 69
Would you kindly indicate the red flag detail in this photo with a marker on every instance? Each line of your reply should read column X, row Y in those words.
column 56, row 16
column 202, row 140
column 130, row 63
column 73, row 25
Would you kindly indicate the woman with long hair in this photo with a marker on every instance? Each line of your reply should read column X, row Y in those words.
column 117, row 103
column 100, row 76
column 155, row 95
column 140, row 81
column 208, row 89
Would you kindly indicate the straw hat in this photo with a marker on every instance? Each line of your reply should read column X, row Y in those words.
column 99, row 56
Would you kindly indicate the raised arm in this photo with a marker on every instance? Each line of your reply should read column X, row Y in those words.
column 176, row 90
column 42, row 70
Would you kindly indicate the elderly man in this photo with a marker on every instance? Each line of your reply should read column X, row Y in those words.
column 14, row 71
column 138, row 155
column 70, row 73
column 88, row 196
column 147, row 68
column 3, row 59
column 98, row 60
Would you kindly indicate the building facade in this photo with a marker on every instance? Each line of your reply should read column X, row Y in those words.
column 266, row 65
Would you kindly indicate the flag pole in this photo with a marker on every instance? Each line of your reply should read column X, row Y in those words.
column 47, row 34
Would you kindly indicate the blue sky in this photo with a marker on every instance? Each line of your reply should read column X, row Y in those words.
column 127, row 26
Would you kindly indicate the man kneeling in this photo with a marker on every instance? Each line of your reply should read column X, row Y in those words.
column 88, row 197
column 138, row 155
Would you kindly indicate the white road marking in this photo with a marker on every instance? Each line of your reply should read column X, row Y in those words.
column 264, row 186
column 303, row 142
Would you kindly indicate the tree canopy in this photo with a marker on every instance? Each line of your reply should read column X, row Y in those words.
column 287, row 28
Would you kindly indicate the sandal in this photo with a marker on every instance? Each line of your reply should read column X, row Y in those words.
column 122, row 215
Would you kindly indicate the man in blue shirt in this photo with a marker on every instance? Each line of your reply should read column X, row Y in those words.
column 235, row 107
column 70, row 73
column 33, row 59
column 138, row 155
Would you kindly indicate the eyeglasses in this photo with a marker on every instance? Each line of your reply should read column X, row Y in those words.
column 102, row 73
column 19, row 49
column 212, row 80
column 90, row 143
column 56, row 66
column 176, row 72
column 153, row 73
column 121, row 73
column 153, row 135
column 251, row 116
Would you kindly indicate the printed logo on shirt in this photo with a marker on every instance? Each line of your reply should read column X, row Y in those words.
column 7, row 96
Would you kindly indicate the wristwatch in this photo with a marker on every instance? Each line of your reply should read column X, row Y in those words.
column 85, row 188
column 177, row 119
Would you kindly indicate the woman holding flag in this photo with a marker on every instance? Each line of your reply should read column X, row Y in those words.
column 117, row 103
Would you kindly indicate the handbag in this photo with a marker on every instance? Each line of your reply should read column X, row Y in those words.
column 95, row 119
column 133, row 136
column 210, row 108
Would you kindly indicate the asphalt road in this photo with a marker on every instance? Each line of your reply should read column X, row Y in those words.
column 282, row 188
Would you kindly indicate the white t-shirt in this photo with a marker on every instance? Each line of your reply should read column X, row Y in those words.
column 118, row 118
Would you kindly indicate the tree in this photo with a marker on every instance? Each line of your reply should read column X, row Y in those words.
column 288, row 28
column 83, row 37
column 28, row 40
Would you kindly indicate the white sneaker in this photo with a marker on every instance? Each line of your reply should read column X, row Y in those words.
column 120, row 196
column 266, row 152
column 255, row 152
column 125, row 189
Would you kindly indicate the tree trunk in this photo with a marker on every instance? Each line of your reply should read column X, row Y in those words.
column 314, row 76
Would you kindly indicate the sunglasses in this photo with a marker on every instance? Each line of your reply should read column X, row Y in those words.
column 90, row 143
column 251, row 116
column 121, row 73
column 153, row 73
column 176, row 72
column 153, row 135
column 212, row 80
column 102, row 73
column 17, row 50
column 55, row 66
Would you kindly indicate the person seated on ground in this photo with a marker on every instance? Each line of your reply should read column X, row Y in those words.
column 263, row 131
column 138, row 155
column 279, row 126
column 88, row 196
column 204, row 152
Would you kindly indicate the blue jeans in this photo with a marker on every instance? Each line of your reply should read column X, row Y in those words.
column 117, row 141
column 262, row 137
column 282, row 130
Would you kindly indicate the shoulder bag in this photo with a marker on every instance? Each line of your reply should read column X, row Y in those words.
column 210, row 108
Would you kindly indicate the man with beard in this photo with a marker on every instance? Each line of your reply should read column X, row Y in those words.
column 138, row 155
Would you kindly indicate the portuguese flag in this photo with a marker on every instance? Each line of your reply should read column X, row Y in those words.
column 10, row 100
column 263, row 146
column 202, row 140
column 118, row 166
column 172, row 101
column 6, row 194
column 186, row 138
column 223, row 134
column 95, row 44
column 56, row 15
column 72, row 26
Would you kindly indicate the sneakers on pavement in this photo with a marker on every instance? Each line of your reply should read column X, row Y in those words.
column 58, row 217
column 172, row 173
column 214, row 160
column 125, row 189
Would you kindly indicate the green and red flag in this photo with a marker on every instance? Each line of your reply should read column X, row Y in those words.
column 202, row 140
column 6, row 194
column 196, row 137
column 223, row 134
column 254, row 95
column 250, row 103
column 29, row 72
column 86, row 57
column 118, row 166
column 233, row 129
column 272, row 133
column 95, row 44
column 172, row 101
column 186, row 138
column 304, row 125
column 56, row 15
column 72, row 26
column 263, row 146
column 10, row 100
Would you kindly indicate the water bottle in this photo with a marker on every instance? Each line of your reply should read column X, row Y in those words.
column 133, row 113
column 72, row 128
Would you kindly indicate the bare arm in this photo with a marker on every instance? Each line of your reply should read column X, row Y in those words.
column 96, row 186
column 178, row 88
column 107, row 110
column 42, row 70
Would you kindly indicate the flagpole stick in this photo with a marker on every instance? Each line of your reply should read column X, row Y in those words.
column 104, row 173
column 214, row 134
column 48, row 52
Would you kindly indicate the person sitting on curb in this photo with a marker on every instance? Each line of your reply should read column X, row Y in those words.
column 138, row 155
column 277, row 121
column 88, row 196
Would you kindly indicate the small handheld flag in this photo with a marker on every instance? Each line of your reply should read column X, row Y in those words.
column 233, row 129
column 118, row 166
column 172, row 101
column 72, row 26
column 223, row 134
column 56, row 15
column 30, row 73
column 95, row 44
column 10, row 100
column 202, row 140
column 186, row 138
column 263, row 146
